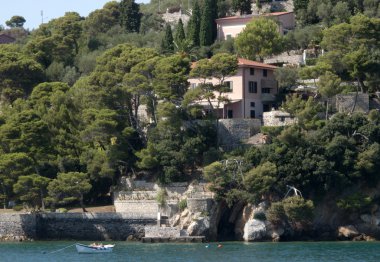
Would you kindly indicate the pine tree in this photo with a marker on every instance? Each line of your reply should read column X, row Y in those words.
column 208, row 25
column 167, row 45
column 244, row 6
column 179, row 36
column 194, row 25
column 130, row 15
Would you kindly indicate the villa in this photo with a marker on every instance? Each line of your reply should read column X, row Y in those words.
column 230, row 27
column 6, row 39
column 252, row 91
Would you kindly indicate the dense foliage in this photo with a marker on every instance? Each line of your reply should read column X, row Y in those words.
column 85, row 100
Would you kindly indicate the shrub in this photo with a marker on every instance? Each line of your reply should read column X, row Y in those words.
column 182, row 205
column 298, row 210
column 260, row 216
column 161, row 197
column 276, row 213
column 311, row 61
column 61, row 210
column 295, row 210
column 355, row 202
column 18, row 208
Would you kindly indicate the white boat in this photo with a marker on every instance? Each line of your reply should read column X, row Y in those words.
column 90, row 249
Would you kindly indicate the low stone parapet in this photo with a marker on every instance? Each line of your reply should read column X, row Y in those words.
column 163, row 232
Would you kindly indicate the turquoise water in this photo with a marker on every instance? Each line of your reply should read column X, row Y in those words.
column 230, row 251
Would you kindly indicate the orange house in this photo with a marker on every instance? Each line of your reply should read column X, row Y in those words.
column 253, row 90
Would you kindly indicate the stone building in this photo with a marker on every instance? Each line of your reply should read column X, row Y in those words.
column 353, row 102
column 278, row 118
column 6, row 39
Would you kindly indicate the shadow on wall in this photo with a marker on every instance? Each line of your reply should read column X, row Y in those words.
column 90, row 226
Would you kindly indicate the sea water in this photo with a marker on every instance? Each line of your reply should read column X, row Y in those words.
column 228, row 251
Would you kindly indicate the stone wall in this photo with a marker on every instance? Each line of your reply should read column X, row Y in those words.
column 164, row 232
column 278, row 118
column 79, row 226
column 17, row 226
column 173, row 18
column 143, row 208
column 91, row 226
column 199, row 204
column 233, row 131
column 346, row 102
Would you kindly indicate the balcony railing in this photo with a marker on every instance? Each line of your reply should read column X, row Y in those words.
column 267, row 83
column 268, row 97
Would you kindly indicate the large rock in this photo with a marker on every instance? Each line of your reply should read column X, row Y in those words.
column 275, row 233
column 176, row 220
column 371, row 219
column 255, row 230
column 199, row 227
column 348, row 232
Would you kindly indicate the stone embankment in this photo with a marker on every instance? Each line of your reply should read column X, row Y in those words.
column 78, row 226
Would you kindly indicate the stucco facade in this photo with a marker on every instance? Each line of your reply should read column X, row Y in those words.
column 253, row 91
column 232, row 26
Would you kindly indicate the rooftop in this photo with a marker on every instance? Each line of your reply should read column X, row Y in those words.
column 248, row 17
column 6, row 39
column 248, row 63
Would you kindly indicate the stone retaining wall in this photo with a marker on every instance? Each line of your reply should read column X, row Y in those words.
column 154, row 231
column 233, row 131
column 143, row 208
column 17, row 227
column 78, row 226
column 199, row 204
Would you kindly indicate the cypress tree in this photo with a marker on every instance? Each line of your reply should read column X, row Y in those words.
column 167, row 45
column 130, row 16
column 214, row 16
column 179, row 36
column 206, row 35
column 194, row 25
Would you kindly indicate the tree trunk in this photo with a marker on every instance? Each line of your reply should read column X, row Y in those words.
column 361, row 84
column 81, row 203
column 327, row 109
column 356, row 98
column 42, row 200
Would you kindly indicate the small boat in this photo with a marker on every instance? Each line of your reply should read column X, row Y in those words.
column 90, row 249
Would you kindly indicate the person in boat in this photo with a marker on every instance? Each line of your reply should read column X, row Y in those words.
column 96, row 244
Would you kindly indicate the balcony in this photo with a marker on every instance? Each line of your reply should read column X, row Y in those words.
column 267, row 83
column 268, row 97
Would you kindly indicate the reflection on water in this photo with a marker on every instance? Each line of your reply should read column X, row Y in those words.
column 229, row 251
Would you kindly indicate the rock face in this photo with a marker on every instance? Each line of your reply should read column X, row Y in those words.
column 199, row 227
column 255, row 230
column 348, row 232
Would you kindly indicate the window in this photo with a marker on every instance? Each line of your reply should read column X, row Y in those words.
column 253, row 114
column 252, row 87
column 252, row 71
column 252, row 104
column 265, row 72
column 265, row 90
column 229, row 85
column 230, row 113
column 266, row 107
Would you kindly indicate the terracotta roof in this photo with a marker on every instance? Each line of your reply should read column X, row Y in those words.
column 250, row 63
column 6, row 39
column 243, row 17
column 247, row 63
